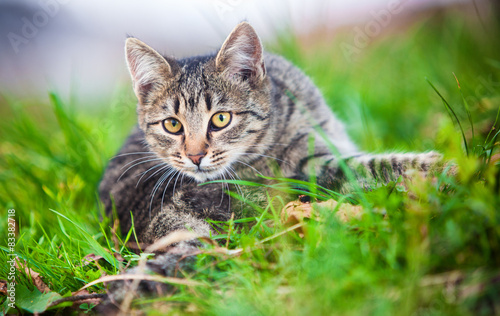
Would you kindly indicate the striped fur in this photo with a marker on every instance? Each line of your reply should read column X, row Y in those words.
column 368, row 170
column 274, row 110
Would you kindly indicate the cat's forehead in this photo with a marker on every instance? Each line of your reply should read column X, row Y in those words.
column 192, row 97
column 186, row 101
column 197, row 89
column 192, row 78
column 194, row 71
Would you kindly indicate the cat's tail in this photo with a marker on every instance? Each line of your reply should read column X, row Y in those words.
column 371, row 169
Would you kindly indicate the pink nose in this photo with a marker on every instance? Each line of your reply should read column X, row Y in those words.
column 196, row 159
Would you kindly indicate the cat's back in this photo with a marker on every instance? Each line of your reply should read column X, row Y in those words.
column 290, row 80
column 300, row 105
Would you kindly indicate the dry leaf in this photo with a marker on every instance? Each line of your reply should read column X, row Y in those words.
column 3, row 287
column 35, row 276
column 346, row 212
column 88, row 259
column 296, row 211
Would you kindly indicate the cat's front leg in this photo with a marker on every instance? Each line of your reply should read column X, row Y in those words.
column 187, row 210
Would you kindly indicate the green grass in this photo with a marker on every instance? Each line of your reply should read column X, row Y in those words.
column 437, row 251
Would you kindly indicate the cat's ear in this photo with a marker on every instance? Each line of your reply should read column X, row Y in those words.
column 147, row 67
column 241, row 57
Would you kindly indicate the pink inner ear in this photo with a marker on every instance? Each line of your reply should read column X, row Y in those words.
column 141, row 87
column 241, row 54
column 144, row 89
column 243, row 62
column 144, row 68
column 133, row 67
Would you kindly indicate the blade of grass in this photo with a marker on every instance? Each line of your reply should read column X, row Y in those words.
column 93, row 243
column 450, row 109
column 466, row 105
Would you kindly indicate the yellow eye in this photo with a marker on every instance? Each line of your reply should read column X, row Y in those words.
column 172, row 125
column 221, row 119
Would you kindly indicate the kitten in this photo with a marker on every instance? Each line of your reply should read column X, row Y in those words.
column 229, row 115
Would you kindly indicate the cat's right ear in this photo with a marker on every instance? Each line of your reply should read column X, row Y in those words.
column 147, row 68
column 241, row 57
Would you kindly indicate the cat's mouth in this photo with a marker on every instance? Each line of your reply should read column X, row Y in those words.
column 204, row 170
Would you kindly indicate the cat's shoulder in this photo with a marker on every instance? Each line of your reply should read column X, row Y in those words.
column 288, row 76
column 277, row 64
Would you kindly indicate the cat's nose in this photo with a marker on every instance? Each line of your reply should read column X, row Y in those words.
column 196, row 159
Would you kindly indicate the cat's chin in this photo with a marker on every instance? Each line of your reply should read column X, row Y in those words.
column 203, row 175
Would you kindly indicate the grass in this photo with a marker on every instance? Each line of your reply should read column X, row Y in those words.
column 437, row 251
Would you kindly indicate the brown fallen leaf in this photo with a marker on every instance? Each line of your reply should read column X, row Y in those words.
column 88, row 259
column 346, row 212
column 35, row 277
column 3, row 287
column 296, row 211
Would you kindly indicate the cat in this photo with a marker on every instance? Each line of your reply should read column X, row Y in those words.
column 233, row 114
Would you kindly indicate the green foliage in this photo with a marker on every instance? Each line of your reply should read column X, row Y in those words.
column 432, row 248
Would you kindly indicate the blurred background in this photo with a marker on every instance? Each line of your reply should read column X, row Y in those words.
column 77, row 46
column 370, row 58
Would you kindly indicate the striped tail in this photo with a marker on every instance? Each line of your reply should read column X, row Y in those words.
column 372, row 169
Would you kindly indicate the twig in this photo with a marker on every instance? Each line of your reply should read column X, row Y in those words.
column 77, row 298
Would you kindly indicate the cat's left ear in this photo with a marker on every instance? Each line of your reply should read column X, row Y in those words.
column 241, row 57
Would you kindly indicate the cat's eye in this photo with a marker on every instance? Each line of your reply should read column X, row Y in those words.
column 172, row 126
column 221, row 120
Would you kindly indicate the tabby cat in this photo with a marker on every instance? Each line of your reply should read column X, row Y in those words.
column 233, row 114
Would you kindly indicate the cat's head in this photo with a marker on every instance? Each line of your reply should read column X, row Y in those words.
column 203, row 114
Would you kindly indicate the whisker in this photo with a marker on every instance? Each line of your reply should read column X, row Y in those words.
column 238, row 188
column 138, row 159
column 156, row 159
column 263, row 145
column 244, row 163
column 165, row 165
column 227, row 188
column 165, row 189
column 178, row 172
column 234, row 172
column 157, row 186
column 266, row 156
column 175, row 183
column 182, row 178
column 169, row 168
column 135, row 153
column 222, row 189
